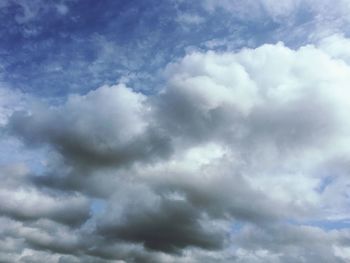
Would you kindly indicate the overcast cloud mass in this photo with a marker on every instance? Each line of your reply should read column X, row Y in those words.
column 174, row 131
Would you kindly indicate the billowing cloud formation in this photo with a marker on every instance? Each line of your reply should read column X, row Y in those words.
column 107, row 126
column 241, row 157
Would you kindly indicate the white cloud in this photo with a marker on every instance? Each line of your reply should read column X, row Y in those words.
column 337, row 46
column 246, row 137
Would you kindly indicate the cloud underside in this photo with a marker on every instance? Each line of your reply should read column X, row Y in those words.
column 235, row 160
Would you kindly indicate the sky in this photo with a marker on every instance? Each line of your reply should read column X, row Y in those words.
column 174, row 131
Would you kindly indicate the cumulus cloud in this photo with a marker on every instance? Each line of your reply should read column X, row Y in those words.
column 170, row 226
column 231, row 161
column 106, row 126
column 23, row 201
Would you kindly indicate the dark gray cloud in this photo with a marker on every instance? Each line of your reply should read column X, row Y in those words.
column 172, row 226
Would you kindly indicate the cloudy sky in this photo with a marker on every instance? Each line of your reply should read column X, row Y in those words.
column 174, row 131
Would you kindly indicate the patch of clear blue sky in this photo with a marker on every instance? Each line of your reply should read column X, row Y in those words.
column 326, row 181
column 331, row 224
column 98, row 206
column 325, row 224
column 92, row 43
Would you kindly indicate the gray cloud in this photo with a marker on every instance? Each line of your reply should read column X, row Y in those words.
column 105, row 127
column 172, row 226
column 23, row 201
column 216, row 167
column 291, row 243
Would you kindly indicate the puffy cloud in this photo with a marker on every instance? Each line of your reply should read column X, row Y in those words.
column 239, row 98
column 23, row 201
column 337, row 46
column 230, row 162
column 170, row 226
column 106, row 126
